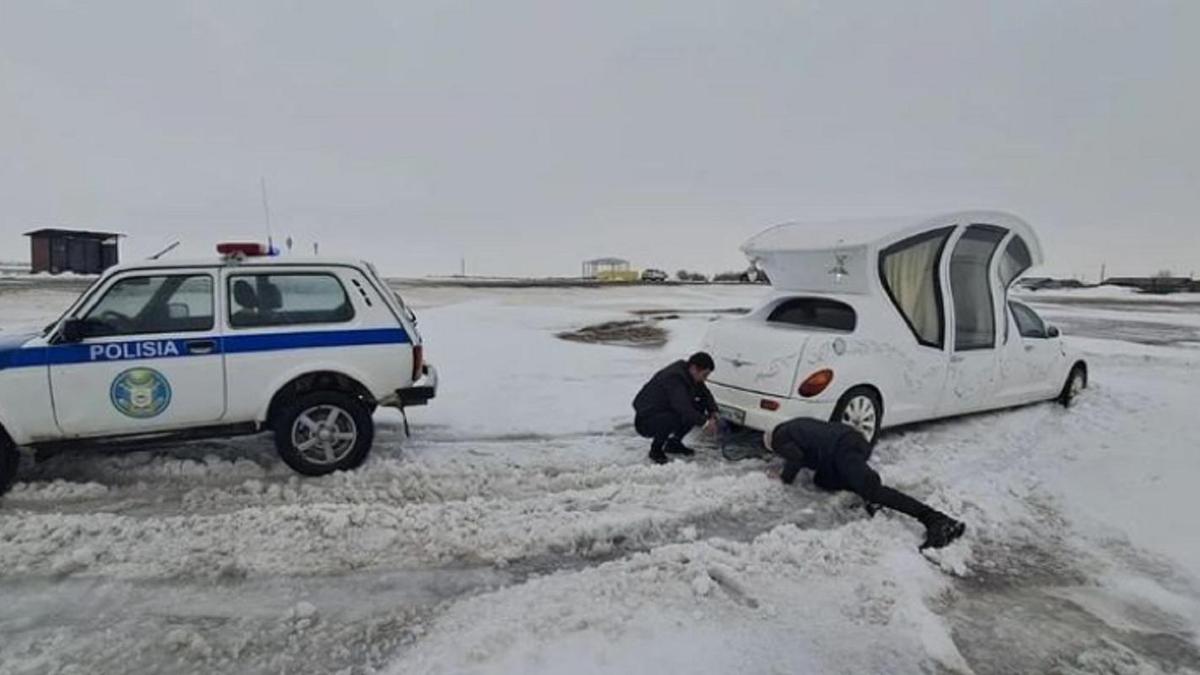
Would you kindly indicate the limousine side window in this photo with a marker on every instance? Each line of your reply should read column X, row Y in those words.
column 909, row 271
column 1015, row 261
column 974, row 309
column 1029, row 323
column 819, row 313
column 1013, row 264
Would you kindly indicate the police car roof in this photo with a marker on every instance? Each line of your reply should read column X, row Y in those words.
column 256, row 261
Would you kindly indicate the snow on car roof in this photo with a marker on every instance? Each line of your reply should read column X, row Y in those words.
column 850, row 233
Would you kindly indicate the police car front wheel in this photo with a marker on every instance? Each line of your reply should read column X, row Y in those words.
column 324, row 431
column 10, row 460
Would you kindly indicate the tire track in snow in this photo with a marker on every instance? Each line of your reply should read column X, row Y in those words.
column 399, row 513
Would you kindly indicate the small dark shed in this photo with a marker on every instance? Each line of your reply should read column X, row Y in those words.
column 79, row 251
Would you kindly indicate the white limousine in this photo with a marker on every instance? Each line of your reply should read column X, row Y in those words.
column 880, row 323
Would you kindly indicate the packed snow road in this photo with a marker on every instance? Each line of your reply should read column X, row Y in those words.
column 521, row 528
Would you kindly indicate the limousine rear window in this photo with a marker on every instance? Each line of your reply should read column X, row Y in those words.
column 816, row 313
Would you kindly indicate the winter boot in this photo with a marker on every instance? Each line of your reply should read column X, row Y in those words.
column 676, row 447
column 657, row 455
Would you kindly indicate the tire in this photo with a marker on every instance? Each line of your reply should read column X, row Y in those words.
column 1076, row 382
column 300, row 424
column 861, row 410
column 10, row 461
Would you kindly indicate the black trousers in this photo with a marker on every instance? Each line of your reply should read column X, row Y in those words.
column 851, row 472
column 660, row 426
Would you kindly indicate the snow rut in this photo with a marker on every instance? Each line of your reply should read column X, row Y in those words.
column 234, row 563
column 443, row 505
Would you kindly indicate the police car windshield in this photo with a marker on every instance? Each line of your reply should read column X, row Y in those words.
column 71, row 308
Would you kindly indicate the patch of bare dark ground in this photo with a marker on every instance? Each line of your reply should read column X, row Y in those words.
column 643, row 331
column 1117, row 303
column 1141, row 332
column 622, row 333
column 1026, row 611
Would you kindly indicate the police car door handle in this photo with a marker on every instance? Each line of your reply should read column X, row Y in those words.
column 201, row 346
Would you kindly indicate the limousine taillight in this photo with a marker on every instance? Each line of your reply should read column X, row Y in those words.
column 816, row 383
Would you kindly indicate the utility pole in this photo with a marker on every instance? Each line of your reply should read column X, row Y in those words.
column 462, row 268
column 1103, row 269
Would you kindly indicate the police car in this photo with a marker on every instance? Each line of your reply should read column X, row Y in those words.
column 305, row 348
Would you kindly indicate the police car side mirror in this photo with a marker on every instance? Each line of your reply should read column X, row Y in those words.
column 1053, row 332
column 72, row 330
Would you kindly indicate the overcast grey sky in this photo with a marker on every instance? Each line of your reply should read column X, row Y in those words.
column 528, row 136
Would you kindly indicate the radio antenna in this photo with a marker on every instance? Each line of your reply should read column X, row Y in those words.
column 267, row 213
column 165, row 251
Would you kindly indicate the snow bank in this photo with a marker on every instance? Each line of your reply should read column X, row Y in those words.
column 792, row 600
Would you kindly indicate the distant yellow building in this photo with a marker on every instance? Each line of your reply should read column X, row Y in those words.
column 618, row 275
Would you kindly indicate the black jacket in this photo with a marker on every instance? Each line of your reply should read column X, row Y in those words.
column 673, row 389
column 813, row 444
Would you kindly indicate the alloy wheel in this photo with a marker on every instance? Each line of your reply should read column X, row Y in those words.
column 324, row 434
column 861, row 416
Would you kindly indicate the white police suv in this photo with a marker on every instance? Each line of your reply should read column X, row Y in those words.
column 306, row 348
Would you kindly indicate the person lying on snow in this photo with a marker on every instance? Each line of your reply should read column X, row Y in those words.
column 838, row 456
column 672, row 403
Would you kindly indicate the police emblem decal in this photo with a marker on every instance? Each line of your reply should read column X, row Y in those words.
column 140, row 393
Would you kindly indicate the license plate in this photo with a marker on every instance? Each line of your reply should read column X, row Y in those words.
column 732, row 414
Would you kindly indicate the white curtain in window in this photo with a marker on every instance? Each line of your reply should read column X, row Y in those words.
column 911, row 275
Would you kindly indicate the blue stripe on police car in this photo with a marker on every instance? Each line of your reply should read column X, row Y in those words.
column 214, row 345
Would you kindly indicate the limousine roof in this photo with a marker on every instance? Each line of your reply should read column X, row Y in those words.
column 839, row 256
column 879, row 233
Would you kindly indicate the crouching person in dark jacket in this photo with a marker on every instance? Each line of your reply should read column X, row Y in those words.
column 674, row 402
column 838, row 456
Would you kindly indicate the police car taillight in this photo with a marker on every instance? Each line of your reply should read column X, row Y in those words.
column 418, row 362
column 242, row 249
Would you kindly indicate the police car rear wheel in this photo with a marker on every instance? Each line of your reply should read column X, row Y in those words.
column 323, row 432
column 10, row 460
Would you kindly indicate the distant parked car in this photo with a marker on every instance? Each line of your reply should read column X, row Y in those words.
column 654, row 275
column 882, row 324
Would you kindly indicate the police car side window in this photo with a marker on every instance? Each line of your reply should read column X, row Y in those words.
column 260, row 300
column 141, row 305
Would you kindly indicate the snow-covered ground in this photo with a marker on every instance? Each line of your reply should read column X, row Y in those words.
column 521, row 529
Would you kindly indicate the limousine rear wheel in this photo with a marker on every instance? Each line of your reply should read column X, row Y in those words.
column 861, row 410
column 324, row 431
